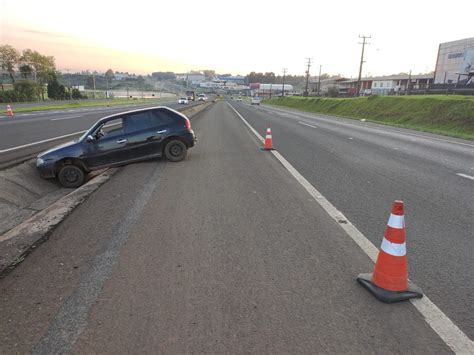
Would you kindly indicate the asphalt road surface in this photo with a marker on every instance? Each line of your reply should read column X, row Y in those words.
column 361, row 168
column 223, row 252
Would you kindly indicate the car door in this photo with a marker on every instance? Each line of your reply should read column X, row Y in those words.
column 146, row 131
column 109, row 145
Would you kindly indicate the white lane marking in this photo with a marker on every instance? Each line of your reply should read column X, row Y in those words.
column 438, row 321
column 43, row 141
column 378, row 128
column 465, row 176
column 306, row 124
column 65, row 118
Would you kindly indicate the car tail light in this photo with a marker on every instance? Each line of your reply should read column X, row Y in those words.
column 187, row 123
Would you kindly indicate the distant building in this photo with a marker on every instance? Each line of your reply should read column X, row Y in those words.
column 394, row 84
column 267, row 89
column 455, row 63
column 195, row 79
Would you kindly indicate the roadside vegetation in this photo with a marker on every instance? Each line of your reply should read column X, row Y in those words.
column 447, row 115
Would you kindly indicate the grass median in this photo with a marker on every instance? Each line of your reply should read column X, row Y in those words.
column 88, row 103
column 447, row 115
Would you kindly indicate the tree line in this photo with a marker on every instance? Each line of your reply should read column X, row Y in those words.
column 36, row 71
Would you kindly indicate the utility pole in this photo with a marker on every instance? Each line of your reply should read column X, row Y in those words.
column 307, row 76
column 283, row 91
column 408, row 83
column 319, row 78
column 93, row 83
column 361, row 61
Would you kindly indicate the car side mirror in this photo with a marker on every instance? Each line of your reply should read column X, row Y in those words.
column 90, row 138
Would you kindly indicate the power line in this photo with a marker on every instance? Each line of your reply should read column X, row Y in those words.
column 307, row 76
column 361, row 61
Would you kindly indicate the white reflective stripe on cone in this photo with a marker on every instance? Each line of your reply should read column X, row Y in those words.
column 268, row 136
column 395, row 221
column 394, row 249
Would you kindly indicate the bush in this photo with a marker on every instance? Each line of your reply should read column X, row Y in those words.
column 76, row 94
column 333, row 91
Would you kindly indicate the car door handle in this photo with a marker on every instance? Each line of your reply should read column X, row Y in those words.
column 163, row 131
column 121, row 141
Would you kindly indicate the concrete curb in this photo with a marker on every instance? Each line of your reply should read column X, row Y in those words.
column 19, row 241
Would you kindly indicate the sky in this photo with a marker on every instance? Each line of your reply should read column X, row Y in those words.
column 236, row 37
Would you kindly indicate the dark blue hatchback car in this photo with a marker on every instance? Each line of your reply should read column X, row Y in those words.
column 118, row 140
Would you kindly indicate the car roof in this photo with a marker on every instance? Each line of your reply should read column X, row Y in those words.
column 120, row 114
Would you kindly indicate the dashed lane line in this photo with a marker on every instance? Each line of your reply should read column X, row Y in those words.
column 306, row 124
column 436, row 319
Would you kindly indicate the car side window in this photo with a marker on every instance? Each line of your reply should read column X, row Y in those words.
column 140, row 121
column 110, row 128
column 165, row 117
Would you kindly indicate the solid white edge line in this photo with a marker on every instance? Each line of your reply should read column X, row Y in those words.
column 306, row 124
column 65, row 118
column 436, row 319
column 465, row 176
column 43, row 141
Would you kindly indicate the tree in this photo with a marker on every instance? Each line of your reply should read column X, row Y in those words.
column 26, row 90
column 25, row 71
column 141, row 81
column 159, row 75
column 90, row 82
column 109, row 75
column 54, row 91
column 9, row 57
column 43, row 66
column 76, row 94
column 209, row 73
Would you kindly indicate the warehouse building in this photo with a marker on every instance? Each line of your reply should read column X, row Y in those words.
column 455, row 62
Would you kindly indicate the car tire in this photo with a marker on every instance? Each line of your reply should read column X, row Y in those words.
column 175, row 150
column 71, row 176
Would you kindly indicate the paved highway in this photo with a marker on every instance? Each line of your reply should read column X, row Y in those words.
column 227, row 252
column 362, row 167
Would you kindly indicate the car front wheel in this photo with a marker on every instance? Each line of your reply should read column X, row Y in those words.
column 175, row 150
column 71, row 176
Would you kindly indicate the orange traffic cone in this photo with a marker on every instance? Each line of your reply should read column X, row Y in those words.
column 9, row 111
column 268, row 140
column 389, row 282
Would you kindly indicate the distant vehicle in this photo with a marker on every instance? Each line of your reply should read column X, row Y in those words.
column 239, row 99
column 255, row 100
column 190, row 95
column 183, row 100
column 202, row 97
column 117, row 140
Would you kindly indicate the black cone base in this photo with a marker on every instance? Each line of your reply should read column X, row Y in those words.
column 389, row 296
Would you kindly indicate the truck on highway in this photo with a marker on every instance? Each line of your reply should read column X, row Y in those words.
column 190, row 95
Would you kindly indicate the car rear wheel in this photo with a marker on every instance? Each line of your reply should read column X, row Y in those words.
column 71, row 176
column 175, row 150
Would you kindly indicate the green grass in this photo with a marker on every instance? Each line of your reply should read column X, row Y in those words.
column 78, row 104
column 447, row 115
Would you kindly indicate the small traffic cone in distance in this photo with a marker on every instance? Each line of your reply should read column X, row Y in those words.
column 9, row 111
column 268, row 145
column 389, row 282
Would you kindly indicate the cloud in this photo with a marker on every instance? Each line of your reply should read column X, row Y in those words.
column 46, row 33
